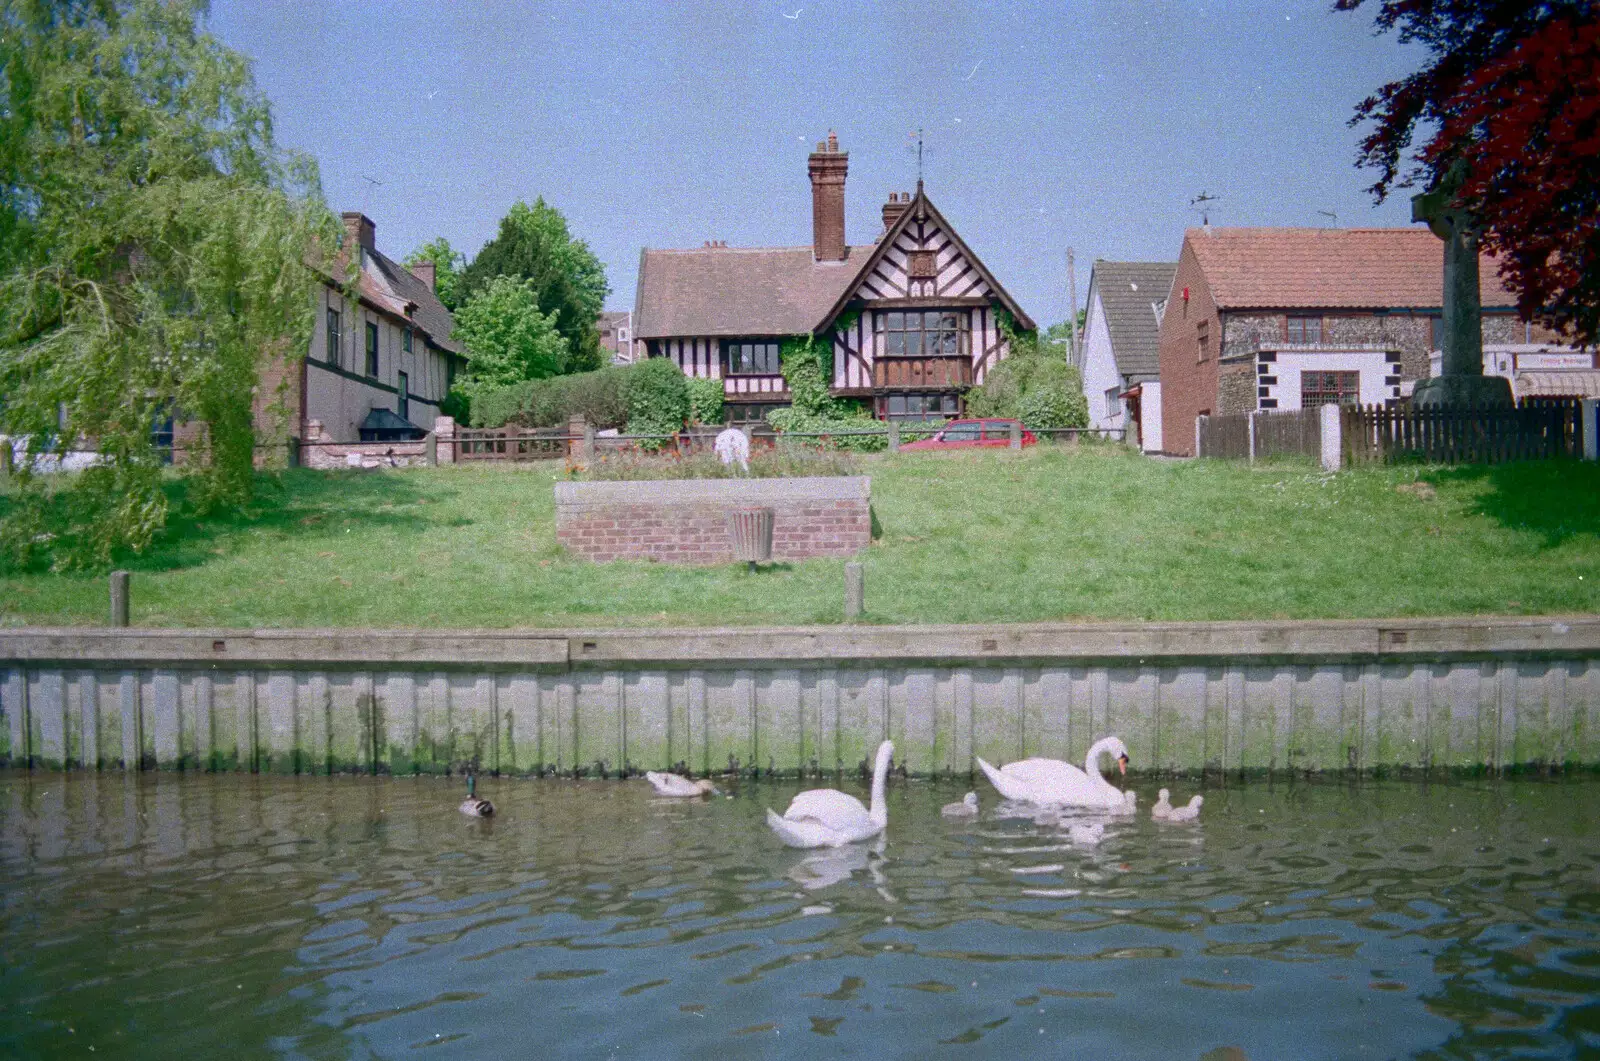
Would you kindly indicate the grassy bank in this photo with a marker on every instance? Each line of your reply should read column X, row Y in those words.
column 1092, row 533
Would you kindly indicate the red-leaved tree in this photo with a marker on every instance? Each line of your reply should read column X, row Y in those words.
column 1512, row 98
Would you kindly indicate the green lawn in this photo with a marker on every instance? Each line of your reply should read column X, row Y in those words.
column 1090, row 533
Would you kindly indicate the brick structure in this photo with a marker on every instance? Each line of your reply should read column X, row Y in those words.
column 685, row 521
column 1284, row 318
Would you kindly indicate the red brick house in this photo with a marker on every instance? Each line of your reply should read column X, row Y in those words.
column 1286, row 318
column 914, row 318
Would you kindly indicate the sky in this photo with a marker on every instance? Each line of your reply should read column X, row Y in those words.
column 1083, row 124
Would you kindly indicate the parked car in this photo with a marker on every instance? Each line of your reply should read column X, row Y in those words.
column 971, row 434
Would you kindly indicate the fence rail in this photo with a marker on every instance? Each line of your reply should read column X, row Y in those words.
column 1537, row 429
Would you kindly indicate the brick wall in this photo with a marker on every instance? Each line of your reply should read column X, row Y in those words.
column 685, row 521
column 1188, row 385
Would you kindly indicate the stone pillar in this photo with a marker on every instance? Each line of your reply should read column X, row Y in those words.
column 444, row 433
column 1199, row 435
column 1461, row 381
column 894, row 436
column 1016, row 435
column 579, row 439
column 1331, row 420
column 1251, row 432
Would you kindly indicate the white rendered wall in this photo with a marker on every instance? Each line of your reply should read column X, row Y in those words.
column 1100, row 368
column 1373, row 366
column 1150, row 414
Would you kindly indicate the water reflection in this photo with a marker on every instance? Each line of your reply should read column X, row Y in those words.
column 355, row 917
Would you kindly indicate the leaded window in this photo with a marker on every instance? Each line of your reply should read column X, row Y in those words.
column 1303, row 329
column 750, row 357
column 1329, row 388
column 922, row 406
column 921, row 333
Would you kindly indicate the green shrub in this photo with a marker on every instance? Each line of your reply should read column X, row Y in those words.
column 658, row 397
column 1033, row 384
column 705, row 400
column 792, row 419
column 765, row 463
column 600, row 396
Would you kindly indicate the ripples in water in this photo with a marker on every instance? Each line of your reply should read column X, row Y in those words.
column 348, row 917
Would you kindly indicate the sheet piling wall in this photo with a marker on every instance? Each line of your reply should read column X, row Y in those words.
column 1468, row 694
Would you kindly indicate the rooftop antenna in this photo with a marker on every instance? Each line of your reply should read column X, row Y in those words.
column 371, row 183
column 1200, row 201
column 1332, row 216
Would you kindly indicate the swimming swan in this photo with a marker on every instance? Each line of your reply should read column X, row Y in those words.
column 472, row 806
column 965, row 809
column 1189, row 813
column 1162, row 809
column 1051, row 781
column 823, row 817
column 673, row 785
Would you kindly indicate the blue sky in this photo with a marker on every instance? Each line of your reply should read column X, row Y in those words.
column 1081, row 123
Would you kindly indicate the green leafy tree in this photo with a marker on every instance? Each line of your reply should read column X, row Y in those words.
column 534, row 245
column 1034, row 384
column 152, row 258
column 447, row 265
column 508, row 338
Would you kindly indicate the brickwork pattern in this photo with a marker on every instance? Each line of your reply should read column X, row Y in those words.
column 685, row 523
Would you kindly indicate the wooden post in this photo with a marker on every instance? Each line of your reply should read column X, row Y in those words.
column 5, row 458
column 430, row 447
column 855, row 590
column 894, row 436
column 1251, row 429
column 1590, row 428
column 1016, row 434
column 119, row 598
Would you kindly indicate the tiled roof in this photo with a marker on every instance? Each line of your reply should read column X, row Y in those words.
column 737, row 291
column 391, row 285
column 1129, row 293
column 1353, row 268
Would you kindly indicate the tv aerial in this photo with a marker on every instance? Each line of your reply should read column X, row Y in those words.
column 1332, row 216
column 1199, row 202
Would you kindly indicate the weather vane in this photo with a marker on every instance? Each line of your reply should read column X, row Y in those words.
column 916, row 145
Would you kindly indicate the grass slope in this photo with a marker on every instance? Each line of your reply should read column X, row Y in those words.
column 1069, row 533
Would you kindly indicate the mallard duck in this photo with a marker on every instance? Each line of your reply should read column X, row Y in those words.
column 965, row 809
column 473, row 806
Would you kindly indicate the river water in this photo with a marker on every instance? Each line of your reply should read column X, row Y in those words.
column 162, row 916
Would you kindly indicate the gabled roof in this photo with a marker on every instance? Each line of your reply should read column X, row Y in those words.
column 1129, row 293
column 730, row 291
column 922, row 207
column 1308, row 268
column 735, row 291
column 392, row 285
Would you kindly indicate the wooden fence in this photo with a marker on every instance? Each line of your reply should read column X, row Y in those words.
column 1537, row 429
column 1289, row 432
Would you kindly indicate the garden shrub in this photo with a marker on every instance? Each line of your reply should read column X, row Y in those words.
column 705, row 400
column 600, row 396
column 658, row 397
column 1033, row 384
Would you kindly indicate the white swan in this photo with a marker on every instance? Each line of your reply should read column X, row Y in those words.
column 965, row 809
column 673, row 785
column 824, row 817
column 1189, row 813
column 1053, row 782
column 1162, row 809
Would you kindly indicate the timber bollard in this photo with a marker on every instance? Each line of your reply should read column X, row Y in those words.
column 1016, row 435
column 1591, row 428
column 430, row 448
column 894, row 436
column 119, row 598
column 855, row 590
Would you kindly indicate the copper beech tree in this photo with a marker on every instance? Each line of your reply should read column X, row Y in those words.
column 1510, row 103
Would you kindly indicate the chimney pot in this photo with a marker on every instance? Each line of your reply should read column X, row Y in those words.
column 833, row 140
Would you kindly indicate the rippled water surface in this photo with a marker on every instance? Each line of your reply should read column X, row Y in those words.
column 332, row 918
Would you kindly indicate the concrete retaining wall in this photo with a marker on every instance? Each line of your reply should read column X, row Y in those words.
column 683, row 521
column 1185, row 697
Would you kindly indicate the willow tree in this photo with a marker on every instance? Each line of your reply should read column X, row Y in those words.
column 153, row 249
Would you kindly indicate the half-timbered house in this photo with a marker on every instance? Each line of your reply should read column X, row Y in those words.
column 915, row 318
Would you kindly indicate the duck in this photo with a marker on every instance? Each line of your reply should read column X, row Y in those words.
column 825, row 817
column 1053, row 782
column 965, row 809
column 1087, row 834
column 1188, row 813
column 1162, row 809
column 474, row 806
column 673, row 785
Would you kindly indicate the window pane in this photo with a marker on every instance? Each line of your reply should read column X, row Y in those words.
column 948, row 322
column 897, row 404
column 952, row 345
column 897, row 320
column 894, row 343
column 948, row 404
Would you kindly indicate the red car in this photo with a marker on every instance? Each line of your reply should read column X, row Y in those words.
column 971, row 434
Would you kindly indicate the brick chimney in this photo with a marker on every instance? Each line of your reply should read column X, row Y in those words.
column 896, row 206
column 359, row 231
column 424, row 271
column 827, row 167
